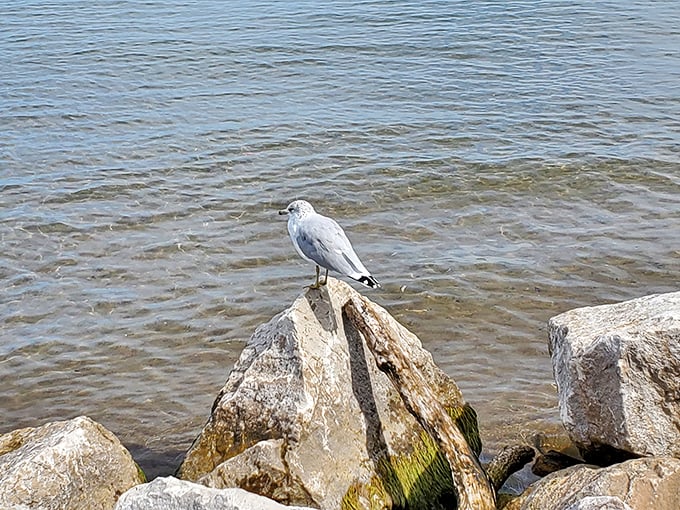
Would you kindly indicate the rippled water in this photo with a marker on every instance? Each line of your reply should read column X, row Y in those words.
column 495, row 163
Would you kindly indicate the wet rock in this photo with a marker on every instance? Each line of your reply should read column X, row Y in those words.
column 616, row 368
column 75, row 464
column 649, row 483
column 306, row 417
column 172, row 494
column 552, row 461
column 509, row 460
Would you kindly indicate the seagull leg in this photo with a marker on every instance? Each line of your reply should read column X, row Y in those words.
column 325, row 280
column 316, row 284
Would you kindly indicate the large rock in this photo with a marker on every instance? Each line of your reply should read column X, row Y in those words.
column 616, row 368
column 306, row 418
column 599, row 503
column 173, row 494
column 642, row 484
column 75, row 464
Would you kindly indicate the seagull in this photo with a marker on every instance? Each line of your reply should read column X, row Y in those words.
column 321, row 240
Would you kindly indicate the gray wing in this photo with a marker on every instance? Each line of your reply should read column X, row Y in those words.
column 322, row 240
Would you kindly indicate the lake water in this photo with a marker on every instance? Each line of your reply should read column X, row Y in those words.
column 495, row 163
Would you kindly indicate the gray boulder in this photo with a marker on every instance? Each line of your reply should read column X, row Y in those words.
column 75, row 464
column 649, row 483
column 616, row 368
column 306, row 418
column 172, row 494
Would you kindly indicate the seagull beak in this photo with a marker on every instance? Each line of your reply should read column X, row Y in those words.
column 283, row 212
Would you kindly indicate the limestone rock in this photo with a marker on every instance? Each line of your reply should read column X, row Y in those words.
column 599, row 503
column 172, row 494
column 305, row 416
column 642, row 484
column 75, row 464
column 259, row 468
column 616, row 368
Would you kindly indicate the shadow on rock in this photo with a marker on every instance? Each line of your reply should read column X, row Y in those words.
column 320, row 303
column 155, row 463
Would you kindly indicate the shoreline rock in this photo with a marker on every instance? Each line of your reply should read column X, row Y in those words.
column 617, row 371
column 75, row 464
column 648, row 483
column 616, row 368
column 306, row 405
column 169, row 493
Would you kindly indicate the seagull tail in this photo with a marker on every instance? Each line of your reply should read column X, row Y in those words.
column 368, row 280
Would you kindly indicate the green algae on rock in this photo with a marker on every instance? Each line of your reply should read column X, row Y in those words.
column 410, row 481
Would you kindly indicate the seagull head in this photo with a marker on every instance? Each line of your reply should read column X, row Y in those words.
column 298, row 208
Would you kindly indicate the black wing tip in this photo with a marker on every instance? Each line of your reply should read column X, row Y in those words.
column 369, row 281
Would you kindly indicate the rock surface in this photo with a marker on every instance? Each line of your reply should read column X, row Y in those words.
column 305, row 416
column 259, row 467
column 616, row 368
column 642, row 484
column 75, row 464
column 172, row 494
column 599, row 503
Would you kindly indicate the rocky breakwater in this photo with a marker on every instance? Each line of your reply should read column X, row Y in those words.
column 617, row 369
column 314, row 414
column 307, row 418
